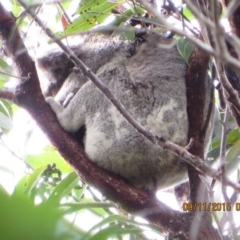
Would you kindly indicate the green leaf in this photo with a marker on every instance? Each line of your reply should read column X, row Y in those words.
column 116, row 218
column 14, row 2
column 5, row 122
column 20, row 188
column 33, row 222
column 5, row 70
column 92, row 13
column 188, row 14
column 232, row 138
column 217, row 126
column 185, row 48
column 49, row 157
column 115, row 231
column 64, row 187
column 33, row 179
column 6, row 108
column 122, row 18
column 74, row 207
column 127, row 32
column 232, row 159
column 43, row 191
column 5, row 116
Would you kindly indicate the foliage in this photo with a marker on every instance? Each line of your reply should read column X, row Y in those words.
column 57, row 198
column 185, row 48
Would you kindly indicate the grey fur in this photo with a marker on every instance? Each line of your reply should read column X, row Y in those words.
column 150, row 83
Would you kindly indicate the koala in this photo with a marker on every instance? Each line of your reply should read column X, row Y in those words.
column 149, row 81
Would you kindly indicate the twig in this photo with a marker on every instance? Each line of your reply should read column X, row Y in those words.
column 64, row 13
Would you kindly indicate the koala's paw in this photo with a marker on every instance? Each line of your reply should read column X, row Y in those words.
column 55, row 106
column 49, row 100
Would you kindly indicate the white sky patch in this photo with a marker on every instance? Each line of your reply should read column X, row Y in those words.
column 169, row 199
column 25, row 138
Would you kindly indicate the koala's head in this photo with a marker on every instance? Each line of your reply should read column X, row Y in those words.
column 54, row 67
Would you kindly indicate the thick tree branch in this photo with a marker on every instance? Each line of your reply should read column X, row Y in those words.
column 195, row 81
column 7, row 95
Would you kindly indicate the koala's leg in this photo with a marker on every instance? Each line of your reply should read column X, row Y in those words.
column 65, row 116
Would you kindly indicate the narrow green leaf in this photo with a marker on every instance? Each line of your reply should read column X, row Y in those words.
column 74, row 207
column 127, row 32
column 92, row 13
column 115, row 231
column 6, row 108
column 188, row 14
column 49, row 157
column 64, row 187
column 20, row 188
column 232, row 138
column 116, row 218
column 31, row 222
column 185, row 48
column 5, row 122
column 34, row 178
column 217, row 126
column 122, row 18
column 87, row 5
column 5, row 70
column 233, row 158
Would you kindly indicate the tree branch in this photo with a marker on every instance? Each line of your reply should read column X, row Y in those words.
column 7, row 95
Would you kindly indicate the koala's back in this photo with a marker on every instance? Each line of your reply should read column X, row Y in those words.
column 151, row 86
